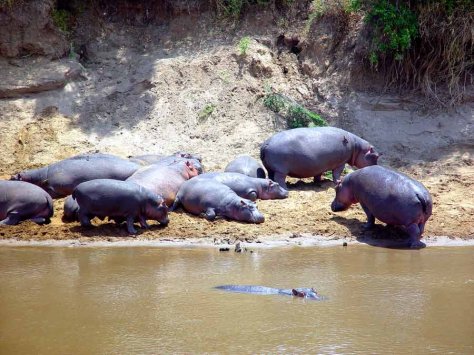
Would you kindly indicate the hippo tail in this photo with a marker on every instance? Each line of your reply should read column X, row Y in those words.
column 426, row 205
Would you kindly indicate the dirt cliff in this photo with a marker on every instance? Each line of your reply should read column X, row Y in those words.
column 181, row 82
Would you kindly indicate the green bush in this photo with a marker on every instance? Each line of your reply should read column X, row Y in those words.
column 295, row 114
column 244, row 44
column 61, row 19
column 395, row 29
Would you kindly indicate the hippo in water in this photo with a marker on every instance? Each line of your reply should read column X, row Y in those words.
column 60, row 179
column 248, row 187
column 119, row 200
column 20, row 201
column 211, row 198
column 387, row 195
column 309, row 152
column 303, row 292
column 246, row 165
column 165, row 180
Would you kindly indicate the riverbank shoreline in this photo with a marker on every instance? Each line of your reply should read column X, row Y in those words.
column 278, row 241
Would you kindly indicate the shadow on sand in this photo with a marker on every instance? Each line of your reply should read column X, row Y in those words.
column 379, row 235
column 301, row 185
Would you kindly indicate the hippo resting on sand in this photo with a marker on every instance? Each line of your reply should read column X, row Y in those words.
column 246, row 165
column 263, row 290
column 387, row 195
column 20, row 201
column 164, row 180
column 119, row 200
column 148, row 159
column 211, row 198
column 309, row 152
column 248, row 187
column 60, row 179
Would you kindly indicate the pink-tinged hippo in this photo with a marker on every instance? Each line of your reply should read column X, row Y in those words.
column 248, row 187
column 387, row 195
column 309, row 152
column 246, row 165
column 211, row 198
column 149, row 159
column 60, row 179
column 20, row 201
column 165, row 180
column 119, row 200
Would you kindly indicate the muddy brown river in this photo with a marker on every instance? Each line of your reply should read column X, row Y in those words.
column 92, row 300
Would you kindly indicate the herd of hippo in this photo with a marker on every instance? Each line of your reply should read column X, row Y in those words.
column 147, row 187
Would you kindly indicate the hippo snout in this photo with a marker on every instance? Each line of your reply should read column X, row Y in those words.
column 336, row 206
column 165, row 221
column 258, row 218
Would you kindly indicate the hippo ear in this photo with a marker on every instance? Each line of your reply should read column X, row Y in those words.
column 188, row 163
column 242, row 202
column 371, row 149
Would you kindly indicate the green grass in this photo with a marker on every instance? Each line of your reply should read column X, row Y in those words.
column 206, row 111
column 243, row 45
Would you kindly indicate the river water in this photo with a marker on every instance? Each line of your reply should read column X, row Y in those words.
column 92, row 300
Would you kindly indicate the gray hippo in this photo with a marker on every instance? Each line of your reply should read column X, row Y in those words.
column 20, row 201
column 119, row 200
column 248, row 187
column 211, row 198
column 71, row 210
column 60, row 179
column 303, row 292
column 246, row 165
column 164, row 180
column 309, row 152
column 147, row 159
column 387, row 195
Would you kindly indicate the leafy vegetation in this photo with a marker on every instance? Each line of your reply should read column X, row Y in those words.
column 244, row 44
column 206, row 111
column 61, row 19
column 295, row 114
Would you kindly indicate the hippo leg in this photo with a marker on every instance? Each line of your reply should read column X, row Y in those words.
column 415, row 234
column 130, row 228
column 317, row 179
column 370, row 218
column 84, row 219
column 271, row 174
column 143, row 223
column 280, row 179
column 41, row 220
column 12, row 219
column 210, row 214
column 336, row 173
column 252, row 195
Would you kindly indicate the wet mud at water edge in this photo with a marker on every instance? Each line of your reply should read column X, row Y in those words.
column 306, row 211
column 162, row 300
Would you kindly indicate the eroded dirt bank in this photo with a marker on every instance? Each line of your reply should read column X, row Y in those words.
column 186, row 86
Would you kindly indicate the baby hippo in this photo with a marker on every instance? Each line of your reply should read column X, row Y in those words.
column 248, row 187
column 119, row 200
column 387, row 195
column 246, row 165
column 211, row 198
column 20, row 201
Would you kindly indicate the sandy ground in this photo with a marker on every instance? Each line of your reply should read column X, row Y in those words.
column 136, row 97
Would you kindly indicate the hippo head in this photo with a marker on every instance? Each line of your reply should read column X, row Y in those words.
column 366, row 157
column 16, row 177
column 344, row 197
column 190, row 169
column 188, row 156
column 246, row 210
column 306, row 293
column 157, row 210
column 272, row 190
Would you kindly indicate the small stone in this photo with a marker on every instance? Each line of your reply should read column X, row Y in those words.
column 224, row 249
column 344, row 244
column 238, row 249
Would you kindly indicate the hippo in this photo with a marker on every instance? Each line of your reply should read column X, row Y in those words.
column 71, row 209
column 20, row 201
column 303, row 292
column 164, row 180
column 60, row 179
column 309, row 152
column 246, row 165
column 148, row 159
column 248, row 187
column 390, row 196
column 211, row 198
column 119, row 200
